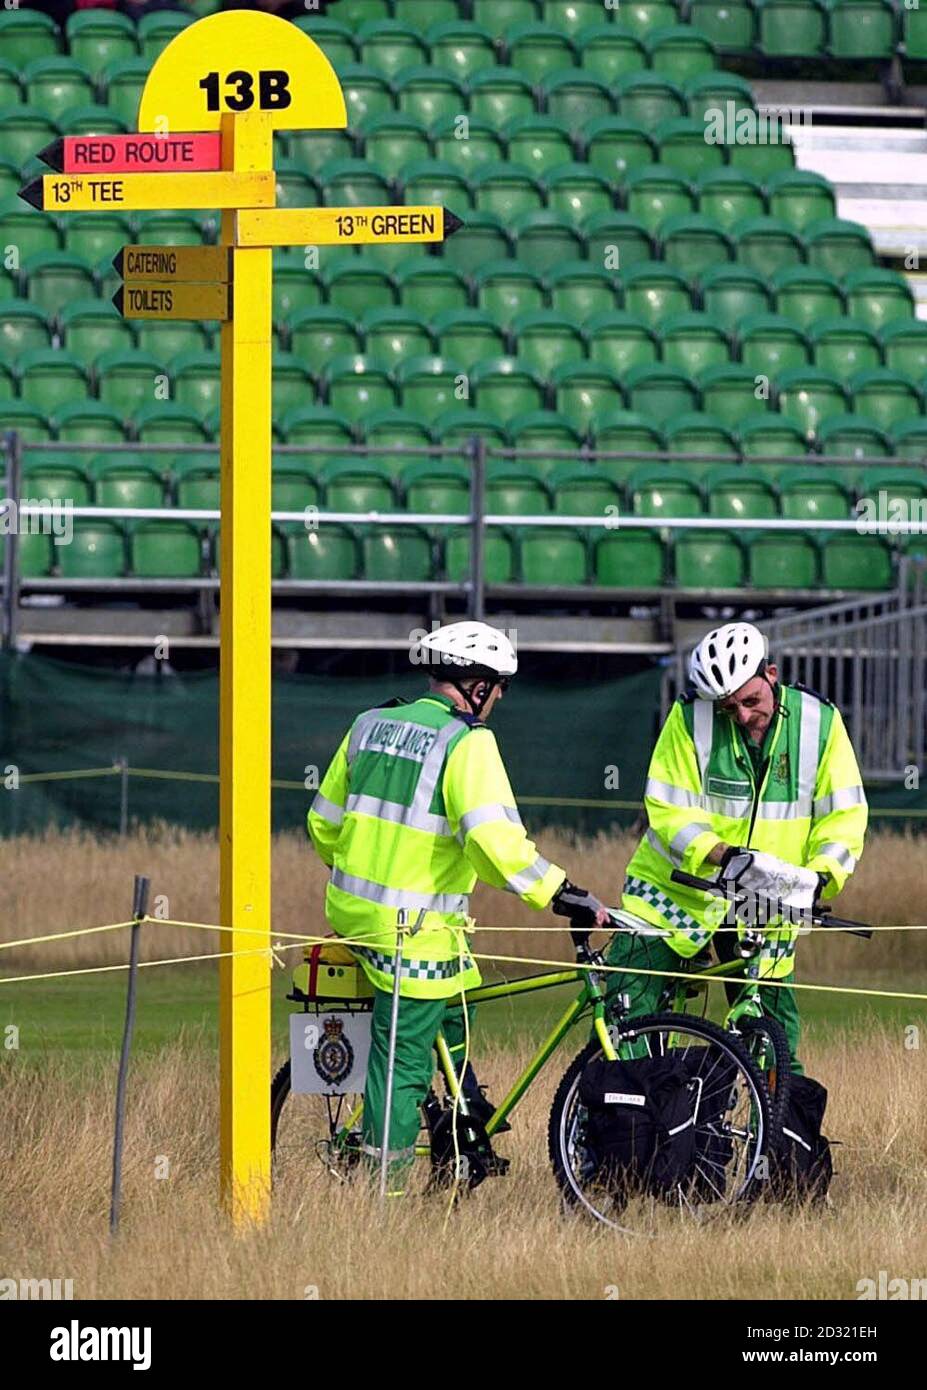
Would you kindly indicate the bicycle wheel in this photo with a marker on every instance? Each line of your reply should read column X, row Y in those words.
column 731, row 1121
column 311, row 1135
column 765, row 1041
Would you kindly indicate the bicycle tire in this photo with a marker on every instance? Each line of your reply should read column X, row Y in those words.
column 565, row 1097
column 778, row 1078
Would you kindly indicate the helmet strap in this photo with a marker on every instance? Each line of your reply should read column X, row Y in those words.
column 476, row 706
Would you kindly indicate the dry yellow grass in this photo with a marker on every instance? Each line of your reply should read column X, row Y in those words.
column 508, row 1240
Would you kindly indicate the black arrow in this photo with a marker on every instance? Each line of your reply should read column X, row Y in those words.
column 34, row 194
column 117, row 261
column 451, row 223
column 118, row 297
column 53, row 156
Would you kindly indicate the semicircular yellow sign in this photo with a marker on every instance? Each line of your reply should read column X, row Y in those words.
column 240, row 61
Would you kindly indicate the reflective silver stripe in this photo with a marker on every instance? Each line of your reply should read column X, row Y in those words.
column 657, row 844
column 431, row 770
column 808, row 735
column 797, row 1137
column 373, row 1152
column 362, row 724
column 781, row 810
column 483, row 814
column 839, row 800
column 673, row 796
column 521, row 882
column 321, row 806
column 703, row 731
column 362, row 805
column 735, row 808
column 681, row 841
column 399, row 897
column 838, row 852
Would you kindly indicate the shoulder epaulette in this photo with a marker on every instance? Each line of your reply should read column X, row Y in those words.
column 806, row 690
column 396, row 700
column 687, row 696
column 470, row 719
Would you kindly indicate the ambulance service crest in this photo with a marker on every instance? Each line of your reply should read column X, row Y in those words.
column 334, row 1055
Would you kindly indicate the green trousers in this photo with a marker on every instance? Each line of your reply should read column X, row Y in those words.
column 646, row 992
column 417, row 1028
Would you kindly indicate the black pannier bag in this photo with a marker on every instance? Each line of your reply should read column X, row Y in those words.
column 639, row 1128
column 714, row 1076
column 800, row 1164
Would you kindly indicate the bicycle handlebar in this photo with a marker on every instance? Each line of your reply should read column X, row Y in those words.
column 818, row 919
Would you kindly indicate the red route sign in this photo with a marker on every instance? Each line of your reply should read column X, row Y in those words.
column 138, row 153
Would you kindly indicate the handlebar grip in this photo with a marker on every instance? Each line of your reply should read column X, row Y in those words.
column 817, row 919
column 707, row 885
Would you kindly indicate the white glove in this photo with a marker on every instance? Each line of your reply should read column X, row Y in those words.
column 757, row 872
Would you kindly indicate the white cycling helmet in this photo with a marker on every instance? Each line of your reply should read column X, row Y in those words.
column 473, row 648
column 726, row 659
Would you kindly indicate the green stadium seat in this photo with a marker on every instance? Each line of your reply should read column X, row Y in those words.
column 198, row 485
column 458, row 427
column 316, row 427
column 905, row 490
column 321, row 332
column 609, row 52
column 646, row 98
column 615, row 146
column 433, row 182
column 643, row 17
column 357, row 485
column 394, row 335
column 708, row 559
column 165, row 339
column 353, row 183
column 467, row 336
column 123, row 80
column 328, row 553
column 813, row 494
column 505, row 289
column 55, row 279
column 729, row 24
column 32, row 424
column 27, row 34
column 653, row 291
column 427, row 286
column 47, row 477
column 626, row 434
column 728, row 196
column 498, row 96
column 50, row 378
column 292, row 488
column 629, row 559
column 92, row 120
column 7, row 382
column 732, row 395
column 771, row 436
column 428, row 384
column 553, row 558
column 577, row 192
column 95, row 235
column 581, row 289
column 837, row 246
column 693, row 244
column 575, row 97
column 546, row 239
column 196, row 381
column 498, row 555
column 10, row 90
column 619, row 341
column 693, row 342
column 403, row 555
column 484, row 237
column 800, row 198
column 762, row 159
column 358, row 384
column 393, row 142
column 126, row 480
column 718, row 91
column 436, row 485
column 680, row 51
column 683, row 147
column 515, row 489
column 782, row 560
column 584, row 490
column 806, row 295
column 56, row 85
column 766, row 245
column 731, row 293
column 845, row 346
column 505, row 387
column 97, row 549
column 887, row 397
column 295, row 188
column 467, row 143
column 388, row 430
column 537, row 144
column 860, row 29
column 655, row 194
column 156, row 30
column 167, row 229
column 98, row 37
column 544, row 432
column 570, row 17
column 337, row 41
column 740, row 493
column 904, row 344
column 351, row 284
column 616, row 239
column 878, row 297
column 88, row 327
column 664, row 491
column 168, row 422
column 849, row 561
column 506, row 190
column 699, row 436
column 808, row 396
column 35, row 556
column 24, row 130
column 431, row 95
column 355, row 13
column 10, row 180
column 461, row 48
column 368, row 94
column 586, row 391
column 296, row 288
column 660, row 392
column 165, row 550
column 385, row 46
column 914, row 33
column 500, row 17
column 771, row 344
column 29, row 231
column 547, row 340
column 852, row 436
column 791, row 28
column 535, row 51
column 313, row 149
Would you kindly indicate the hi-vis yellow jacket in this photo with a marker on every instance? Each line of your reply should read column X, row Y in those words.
column 416, row 806
column 807, row 807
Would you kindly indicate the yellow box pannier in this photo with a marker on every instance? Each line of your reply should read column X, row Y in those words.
column 330, row 971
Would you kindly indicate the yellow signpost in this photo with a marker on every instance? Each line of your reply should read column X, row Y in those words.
column 241, row 74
